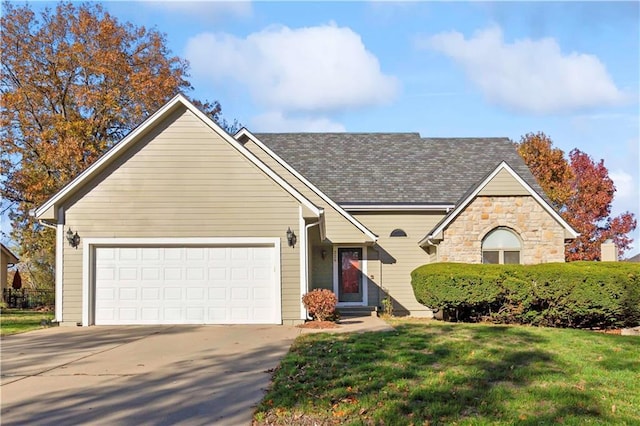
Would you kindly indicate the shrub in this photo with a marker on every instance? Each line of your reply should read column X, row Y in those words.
column 321, row 304
column 387, row 306
column 578, row 294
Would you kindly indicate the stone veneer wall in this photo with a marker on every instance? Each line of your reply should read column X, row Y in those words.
column 542, row 237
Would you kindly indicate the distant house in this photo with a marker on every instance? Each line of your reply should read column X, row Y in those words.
column 7, row 260
column 635, row 258
column 183, row 223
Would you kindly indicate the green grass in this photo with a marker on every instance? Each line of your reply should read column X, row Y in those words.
column 14, row 321
column 465, row 374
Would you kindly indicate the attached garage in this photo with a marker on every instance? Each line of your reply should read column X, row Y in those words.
column 210, row 283
column 179, row 223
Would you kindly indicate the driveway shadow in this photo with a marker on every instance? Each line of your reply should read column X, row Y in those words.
column 220, row 380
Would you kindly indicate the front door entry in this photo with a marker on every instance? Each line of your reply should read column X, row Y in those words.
column 350, row 275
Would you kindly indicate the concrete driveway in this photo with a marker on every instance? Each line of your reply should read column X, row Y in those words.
column 191, row 375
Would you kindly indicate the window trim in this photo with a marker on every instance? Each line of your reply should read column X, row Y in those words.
column 501, row 251
column 398, row 233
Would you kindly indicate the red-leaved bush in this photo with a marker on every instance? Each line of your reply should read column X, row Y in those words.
column 321, row 303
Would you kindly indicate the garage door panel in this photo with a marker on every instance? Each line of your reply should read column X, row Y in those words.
column 127, row 314
column 151, row 254
column 195, row 254
column 128, row 293
column 239, row 294
column 218, row 274
column 127, row 273
column 187, row 285
column 106, row 273
column 172, row 253
column 172, row 314
column 217, row 293
column 195, row 293
column 151, row 273
column 170, row 273
column 173, row 293
column 127, row 254
column 150, row 314
column 106, row 253
column 240, row 254
column 195, row 274
column 219, row 253
column 218, row 314
column 261, row 294
column 195, row 313
column 106, row 293
column 240, row 314
column 150, row 293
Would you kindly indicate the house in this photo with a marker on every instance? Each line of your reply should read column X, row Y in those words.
column 181, row 222
column 7, row 260
column 635, row 258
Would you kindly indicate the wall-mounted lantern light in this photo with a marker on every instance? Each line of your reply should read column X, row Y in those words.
column 73, row 238
column 291, row 238
column 323, row 254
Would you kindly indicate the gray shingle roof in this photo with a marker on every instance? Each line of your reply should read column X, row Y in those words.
column 394, row 168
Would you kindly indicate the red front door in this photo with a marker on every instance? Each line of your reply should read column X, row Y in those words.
column 350, row 275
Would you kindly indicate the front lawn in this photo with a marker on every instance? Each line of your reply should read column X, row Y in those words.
column 13, row 321
column 428, row 372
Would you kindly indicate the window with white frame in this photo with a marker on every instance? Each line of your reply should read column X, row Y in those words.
column 501, row 246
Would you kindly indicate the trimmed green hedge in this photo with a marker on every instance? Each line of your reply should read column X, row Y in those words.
column 576, row 294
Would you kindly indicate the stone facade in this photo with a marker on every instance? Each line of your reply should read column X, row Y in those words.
column 542, row 237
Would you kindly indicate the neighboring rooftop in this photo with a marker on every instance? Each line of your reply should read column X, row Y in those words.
column 635, row 258
column 394, row 168
column 11, row 258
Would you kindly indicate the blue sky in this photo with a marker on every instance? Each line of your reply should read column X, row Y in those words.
column 443, row 69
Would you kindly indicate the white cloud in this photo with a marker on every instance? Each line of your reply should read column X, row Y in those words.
column 624, row 185
column 528, row 75
column 205, row 10
column 314, row 69
column 276, row 121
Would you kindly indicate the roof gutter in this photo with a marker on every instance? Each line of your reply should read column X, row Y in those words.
column 46, row 224
column 42, row 222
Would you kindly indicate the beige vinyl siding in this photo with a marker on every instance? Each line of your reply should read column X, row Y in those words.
column 339, row 230
column 503, row 184
column 321, row 270
column 182, row 180
column 5, row 259
column 396, row 257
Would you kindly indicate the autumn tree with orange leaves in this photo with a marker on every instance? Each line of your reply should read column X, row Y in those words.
column 582, row 191
column 74, row 81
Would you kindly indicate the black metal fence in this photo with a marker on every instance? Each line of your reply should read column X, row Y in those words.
column 26, row 298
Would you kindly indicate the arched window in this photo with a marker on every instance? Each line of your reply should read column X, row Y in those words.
column 501, row 246
column 398, row 233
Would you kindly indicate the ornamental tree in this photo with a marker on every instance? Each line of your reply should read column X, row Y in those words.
column 73, row 82
column 582, row 191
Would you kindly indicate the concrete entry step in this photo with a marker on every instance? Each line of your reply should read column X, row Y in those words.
column 358, row 311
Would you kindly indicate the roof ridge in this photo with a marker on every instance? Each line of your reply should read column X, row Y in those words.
column 336, row 133
column 468, row 138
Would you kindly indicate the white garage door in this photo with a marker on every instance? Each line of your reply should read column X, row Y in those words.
column 186, row 285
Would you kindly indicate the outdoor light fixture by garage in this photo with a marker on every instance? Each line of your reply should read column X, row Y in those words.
column 73, row 238
column 291, row 238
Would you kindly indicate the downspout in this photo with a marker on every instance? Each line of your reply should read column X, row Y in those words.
column 380, row 285
column 306, row 257
column 59, row 259
column 432, row 244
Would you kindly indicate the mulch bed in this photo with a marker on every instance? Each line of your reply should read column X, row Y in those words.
column 318, row 324
column 618, row 331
